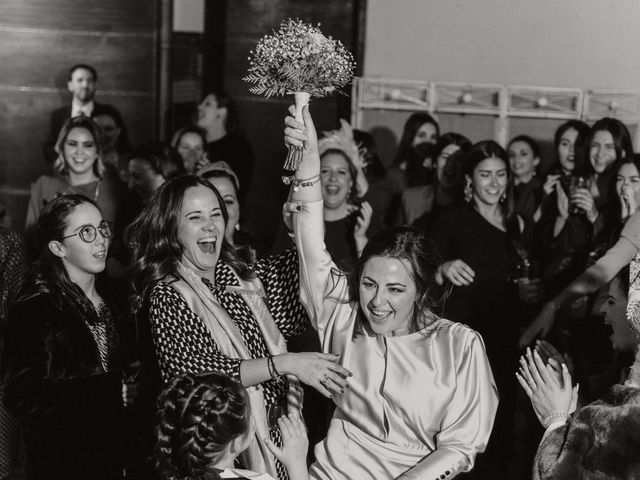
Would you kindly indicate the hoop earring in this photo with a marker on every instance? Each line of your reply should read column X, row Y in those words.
column 468, row 192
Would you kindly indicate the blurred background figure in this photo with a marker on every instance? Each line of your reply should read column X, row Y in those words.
column 12, row 270
column 421, row 204
column 114, row 142
column 151, row 164
column 218, row 117
column 190, row 143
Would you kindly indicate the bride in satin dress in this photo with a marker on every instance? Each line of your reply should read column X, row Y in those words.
column 421, row 401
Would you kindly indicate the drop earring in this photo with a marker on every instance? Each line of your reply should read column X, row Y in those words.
column 468, row 191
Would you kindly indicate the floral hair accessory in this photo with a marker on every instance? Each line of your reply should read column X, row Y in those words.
column 298, row 59
column 342, row 139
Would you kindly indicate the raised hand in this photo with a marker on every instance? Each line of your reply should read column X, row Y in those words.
column 457, row 272
column 628, row 201
column 549, row 395
column 583, row 199
column 552, row 355
column 562, row 201
column 301, row 134
column 363, row 221
column 550, row 184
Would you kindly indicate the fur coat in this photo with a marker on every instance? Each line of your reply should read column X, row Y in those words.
column 601, row 442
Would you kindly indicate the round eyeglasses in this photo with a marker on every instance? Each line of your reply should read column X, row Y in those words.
column 88, row 233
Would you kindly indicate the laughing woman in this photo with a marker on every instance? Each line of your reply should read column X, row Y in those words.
column 211, row 307
column 478, row 241
column 65, row 351
column 421, row 401
column 78, row 169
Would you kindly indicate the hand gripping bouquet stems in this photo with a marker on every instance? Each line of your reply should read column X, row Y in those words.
column 298, row 59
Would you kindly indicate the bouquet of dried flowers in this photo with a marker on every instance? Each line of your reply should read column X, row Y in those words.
column 298, row 59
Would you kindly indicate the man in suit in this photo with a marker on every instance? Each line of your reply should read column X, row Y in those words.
column 82, row 85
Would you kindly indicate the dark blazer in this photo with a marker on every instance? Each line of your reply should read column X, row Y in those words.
column 54, row 382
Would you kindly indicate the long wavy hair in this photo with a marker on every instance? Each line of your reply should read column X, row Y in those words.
column 60, row 164
column 415, row 172
column 580, row 147
column 620, row 134
column 533, row 145
column 155, row 247
column 198, row 416
column 48, row 274
column 413, row 246
column 411, row 127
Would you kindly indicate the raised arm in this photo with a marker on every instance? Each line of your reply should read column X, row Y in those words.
column 599, row 274
column 318, row 273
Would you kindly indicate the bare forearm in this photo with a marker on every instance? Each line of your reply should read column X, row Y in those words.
column 599, row 274
column 559, row 226
column 361, row 242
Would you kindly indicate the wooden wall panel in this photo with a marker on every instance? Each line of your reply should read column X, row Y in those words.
column 85, row 15
column 39, row 41
column 122, row 62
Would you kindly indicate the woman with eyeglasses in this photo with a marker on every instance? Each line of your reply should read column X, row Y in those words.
column 66, row 351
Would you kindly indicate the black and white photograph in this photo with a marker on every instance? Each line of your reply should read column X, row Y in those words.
column 319, row 240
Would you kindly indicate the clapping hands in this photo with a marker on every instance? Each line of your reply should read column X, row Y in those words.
column 550, row 396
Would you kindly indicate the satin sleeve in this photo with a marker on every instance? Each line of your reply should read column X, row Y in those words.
column 468, row 421
column 319, row 276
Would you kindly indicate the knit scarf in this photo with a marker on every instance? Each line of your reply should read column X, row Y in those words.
column 229, row 340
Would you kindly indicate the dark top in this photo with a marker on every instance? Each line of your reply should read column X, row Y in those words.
column 237, row 152
column 56, row 383
column 380, row 196
column 527, row 198
column 565, row 256
column 338, row 238
column 487, row 305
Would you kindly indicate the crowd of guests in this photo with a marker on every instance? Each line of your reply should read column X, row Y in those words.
column 144, row 338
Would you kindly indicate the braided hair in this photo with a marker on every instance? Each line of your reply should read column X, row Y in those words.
column 198, row 416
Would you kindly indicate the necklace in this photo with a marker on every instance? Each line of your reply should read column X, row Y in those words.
column 95, row 196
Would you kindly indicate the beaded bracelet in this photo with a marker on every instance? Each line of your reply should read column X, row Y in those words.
column 300, row 182
column 549, row 419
